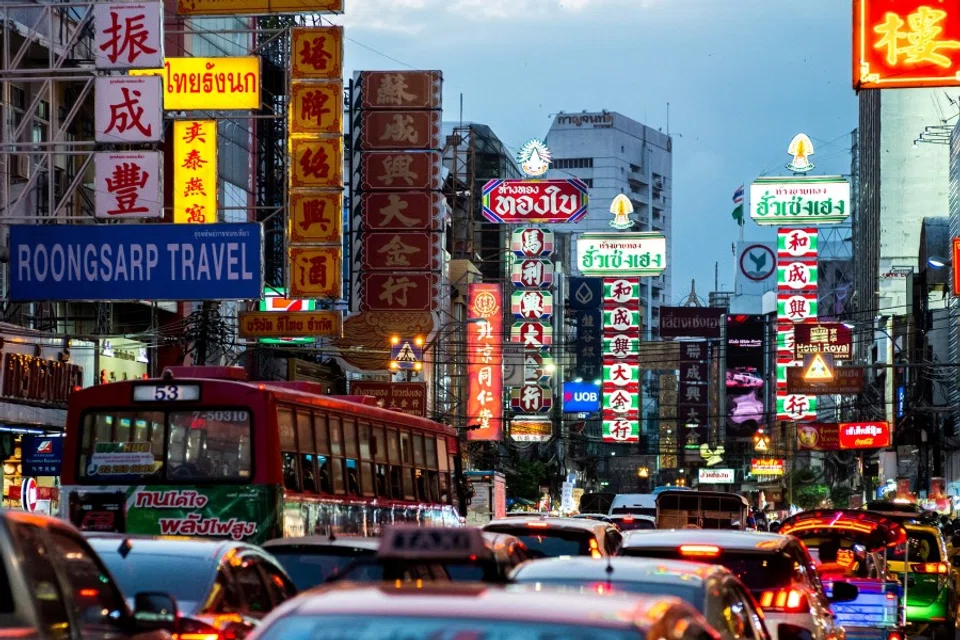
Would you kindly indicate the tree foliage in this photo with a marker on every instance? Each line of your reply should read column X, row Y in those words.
column 525, row 479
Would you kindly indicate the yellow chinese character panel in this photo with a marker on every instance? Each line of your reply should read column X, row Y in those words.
column 195, row 171
column 317, row 52
column 316, row 107
column 316, row 217
column 316, row 162
column 315, row 272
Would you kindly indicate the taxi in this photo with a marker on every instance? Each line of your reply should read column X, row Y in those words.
column 430, row 610
column 409, row 554
column 556, row 537
column 711, row 589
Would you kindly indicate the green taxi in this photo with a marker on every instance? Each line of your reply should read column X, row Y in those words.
column 930, row 591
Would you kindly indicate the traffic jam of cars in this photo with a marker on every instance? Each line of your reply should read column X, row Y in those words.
column 705, row 571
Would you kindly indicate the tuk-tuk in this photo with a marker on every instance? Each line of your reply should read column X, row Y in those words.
column 857, row 543
column 685, row 509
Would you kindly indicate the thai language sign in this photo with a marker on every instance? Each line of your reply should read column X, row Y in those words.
column 485, row 362
column 832, row 436
column 690, row 322
column 905, row 43
column 269, row 324
column 767, row 467
column 800, row 200
column 716, row 476
column 135, row 262
column 622, row 254
column 194, row 171
column 208, row 84
column 526, row 201
column 405, row 397
column 838, row 381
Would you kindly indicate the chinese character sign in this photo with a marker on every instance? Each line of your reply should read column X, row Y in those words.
column 128, row 185
column 316, row 217
column 317, row 52
column 128, row 110
column 905, row 43
column 315, row 272
column 621, row 365
column 316, row 107
column 485, row 362
column 128, row 35
column 796, row 305
column 195, row 171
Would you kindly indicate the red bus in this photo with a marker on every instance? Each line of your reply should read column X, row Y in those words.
column 204, row 452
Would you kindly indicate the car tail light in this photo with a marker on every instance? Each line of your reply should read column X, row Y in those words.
column 929, row 567
column 193, row 629
column 594, row 549
column 700, row 550
column 894, row 635
column 788, row 600
column 628, row 518
column 538, row 525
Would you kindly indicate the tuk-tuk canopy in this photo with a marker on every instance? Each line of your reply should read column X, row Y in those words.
column 872, row 530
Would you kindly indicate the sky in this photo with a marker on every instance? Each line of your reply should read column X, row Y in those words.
column 742, row 77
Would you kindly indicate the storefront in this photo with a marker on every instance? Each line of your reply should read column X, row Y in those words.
column 122, row 359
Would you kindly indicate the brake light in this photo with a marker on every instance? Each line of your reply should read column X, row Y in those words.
column 89, row 593
column 787, row 600
column 594, row 548
column 700, row 550
column 894, row 635
column 538, row 525
column 197, row 636
column 929, row 567
column 628, row 519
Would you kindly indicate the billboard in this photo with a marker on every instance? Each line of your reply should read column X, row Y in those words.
column 194, row 171
column 208, row 84
column 799, row 200
column 135, row 262
column 581, row 397
column 405, row 397
column 746, row 371
column 291, row 324
column 864, row 435
column 542, row 201
column 905, row 43
column 690, row 322
column 831, row 338
column 622, row 254
column 717, row 476
column 531, row 428
column 767, row 466
column 485, row 362
column 621, row 367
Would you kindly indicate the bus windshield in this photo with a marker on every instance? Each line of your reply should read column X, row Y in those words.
column 124, row 447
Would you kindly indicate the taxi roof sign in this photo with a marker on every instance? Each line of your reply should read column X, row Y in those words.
column 432, row 543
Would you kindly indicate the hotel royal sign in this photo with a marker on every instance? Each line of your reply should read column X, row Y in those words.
column 905, row 43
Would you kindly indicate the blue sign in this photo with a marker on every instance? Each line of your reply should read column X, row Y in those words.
column 589, row 346
column 407, row 354
column 42, row 455
column 136, row 262
column 585, row 293
column 901, row 401
column 581, row 397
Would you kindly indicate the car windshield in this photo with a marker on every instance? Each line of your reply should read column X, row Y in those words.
column 550, row 543
column 187, row 579
column 308, row 568
column 396, row 628
column 758, row 571
column 690, row 594
column 924, row 547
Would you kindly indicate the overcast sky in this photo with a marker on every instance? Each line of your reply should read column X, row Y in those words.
column 741, row 76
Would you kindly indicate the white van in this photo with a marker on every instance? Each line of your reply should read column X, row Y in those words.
column 638, row 504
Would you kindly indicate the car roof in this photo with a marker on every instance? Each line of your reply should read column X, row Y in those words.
column 647, row 570
column 346, row 542
column 198, row 548
column 37, row 519
column 569, row 524
column 485, row 602
column 727, row 540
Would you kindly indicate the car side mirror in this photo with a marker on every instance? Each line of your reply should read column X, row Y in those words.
column 844, row 592
column 154, row 610
column 786, row 631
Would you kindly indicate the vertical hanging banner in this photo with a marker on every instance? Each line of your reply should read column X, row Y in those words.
column 128, row 35
column 746, row 375
column 128, row 185
column 485, row 362
column 692, row 401
column 621, row 360
column 315, row 191
column 128, row 109
column 397, row 137
column 585, row 299
column 194, row 171
column 796, row 304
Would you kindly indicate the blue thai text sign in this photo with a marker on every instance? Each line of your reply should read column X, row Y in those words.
column 136, row 262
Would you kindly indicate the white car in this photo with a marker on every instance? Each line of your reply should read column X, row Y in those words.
column 777, row 570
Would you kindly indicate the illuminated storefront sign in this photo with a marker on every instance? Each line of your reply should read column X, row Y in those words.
column 717, row 476
column 864, row 435
column 628, row 254
column 485, row 362
column 194, row 171
column 767, row 467
column 832, row 338
column 799, row 200
column 621, row 366
column 302, row 324
column 905, row 43
column 208, row 84
column 527, row 201
column 796, row 304
column 531, row 428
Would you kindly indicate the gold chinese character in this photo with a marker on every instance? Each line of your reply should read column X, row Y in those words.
column 920, row 43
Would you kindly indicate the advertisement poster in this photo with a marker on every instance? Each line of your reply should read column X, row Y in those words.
column 745, row 375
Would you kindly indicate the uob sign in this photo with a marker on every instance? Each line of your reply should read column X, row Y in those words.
column 581, row 397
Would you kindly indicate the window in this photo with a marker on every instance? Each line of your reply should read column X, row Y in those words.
column 336, row 467
column 99, row 605
column 322, row 433
column 430, row 444
column 352, row 477
column 279, row 586
column 215, row 444
column 366, row 479
column 252, row 587
column 223, row 596
column 393, row 445
column 442, row 454
column 41, row 577
column 572, row 163
column 307, row 448
column 350, row 447
column 106, row 446
column 365, row 435
column 323, row 474
column 336, row 437
column 380, row 448
column 418, row 457
column 406, row 452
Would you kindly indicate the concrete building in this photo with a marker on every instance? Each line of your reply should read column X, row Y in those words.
column 614, row 154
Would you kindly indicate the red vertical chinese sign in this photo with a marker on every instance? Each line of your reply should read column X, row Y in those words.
column 485, row 362
column 621, row 360
column 796, row 303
